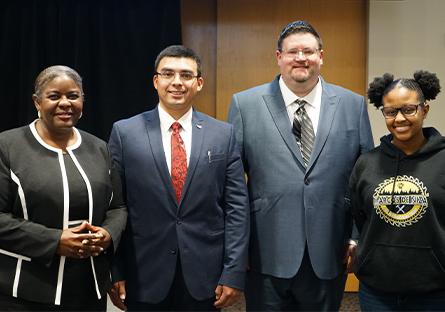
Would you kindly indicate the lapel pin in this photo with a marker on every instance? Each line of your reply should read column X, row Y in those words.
column 199, row 126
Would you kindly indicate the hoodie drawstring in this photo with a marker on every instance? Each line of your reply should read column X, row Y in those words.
column 395, row 177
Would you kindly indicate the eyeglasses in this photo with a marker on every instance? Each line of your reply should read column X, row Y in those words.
column 170, row 75
column 406, row 110
column 306, row 52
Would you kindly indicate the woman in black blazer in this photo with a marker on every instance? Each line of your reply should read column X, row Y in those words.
column 61, row 207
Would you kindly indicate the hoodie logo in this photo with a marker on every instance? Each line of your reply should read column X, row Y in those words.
column 402, row 202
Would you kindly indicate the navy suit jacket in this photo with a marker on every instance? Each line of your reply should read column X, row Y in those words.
column 208, row 229
column 291, row 205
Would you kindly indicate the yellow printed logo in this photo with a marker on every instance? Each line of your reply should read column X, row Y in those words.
column 402, row 202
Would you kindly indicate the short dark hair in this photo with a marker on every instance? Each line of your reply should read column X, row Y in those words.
column 298, row 27
column 179, row 51
column 424, row 83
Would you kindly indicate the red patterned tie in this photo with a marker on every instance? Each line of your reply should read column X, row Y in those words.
column 179, row 160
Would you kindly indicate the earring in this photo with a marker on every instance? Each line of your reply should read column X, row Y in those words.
column 38, row 114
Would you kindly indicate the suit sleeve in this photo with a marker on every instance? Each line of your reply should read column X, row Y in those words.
column 236, row 119
column 356, row 201
column 17, row 234
column 115, row 147
column 116, row 216
column 236, row 221
column 366, row 144
column 366, row 140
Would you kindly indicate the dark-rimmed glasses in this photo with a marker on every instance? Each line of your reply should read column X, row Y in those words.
column 170, row 75
column 406, row 110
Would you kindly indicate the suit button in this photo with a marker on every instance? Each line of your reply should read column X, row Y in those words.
column 173, row 252
column 178, row 222
column 306, row 181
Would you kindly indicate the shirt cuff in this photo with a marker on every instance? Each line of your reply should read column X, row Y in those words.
column 353, row 242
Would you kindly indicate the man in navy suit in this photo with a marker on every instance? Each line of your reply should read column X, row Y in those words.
column 300, row 216
column 185, row 246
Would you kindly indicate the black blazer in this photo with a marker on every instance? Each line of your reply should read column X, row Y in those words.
column 33, row 212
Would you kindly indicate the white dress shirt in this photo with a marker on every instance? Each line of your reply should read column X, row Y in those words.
column 312, row 107
column 166, row 122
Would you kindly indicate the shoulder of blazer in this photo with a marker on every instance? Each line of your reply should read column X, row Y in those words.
column 91, row 138
column 210, row 121
column 137, row 119
column 335, row 90
column 92, row 145
column 14, row 139
column 267, row 88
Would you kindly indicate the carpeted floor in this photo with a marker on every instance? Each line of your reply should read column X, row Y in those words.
column 349, row 304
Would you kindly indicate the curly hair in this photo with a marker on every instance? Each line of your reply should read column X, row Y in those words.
column 424, row 83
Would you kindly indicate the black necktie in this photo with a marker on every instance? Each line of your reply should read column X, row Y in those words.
column 303, row 131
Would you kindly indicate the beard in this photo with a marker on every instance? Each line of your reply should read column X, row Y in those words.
column 302, row 77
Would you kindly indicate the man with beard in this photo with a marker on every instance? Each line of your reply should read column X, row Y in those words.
column 299, row 138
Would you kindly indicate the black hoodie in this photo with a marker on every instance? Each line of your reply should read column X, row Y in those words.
column 402, row 245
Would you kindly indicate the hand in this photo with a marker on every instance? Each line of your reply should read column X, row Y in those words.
column 226, row 296
column 70, row 243
column 100, row 241
column 117, row 295
column 349, row 258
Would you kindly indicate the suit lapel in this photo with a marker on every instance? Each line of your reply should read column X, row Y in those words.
column 277, row 109
column 198, row 128
column 327, row 113
column 157, row 148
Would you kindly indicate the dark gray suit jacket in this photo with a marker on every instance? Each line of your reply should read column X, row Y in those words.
column 292, row 206
column 209, row 229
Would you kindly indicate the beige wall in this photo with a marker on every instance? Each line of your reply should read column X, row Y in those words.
column 237, row 40
column 405, row 36
column 199, row 33
column 247, row 32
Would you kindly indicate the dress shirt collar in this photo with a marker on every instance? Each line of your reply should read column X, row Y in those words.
column 290, row 97
column 166, row 120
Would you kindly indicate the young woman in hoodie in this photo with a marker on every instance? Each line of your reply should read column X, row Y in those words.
column 398, row 202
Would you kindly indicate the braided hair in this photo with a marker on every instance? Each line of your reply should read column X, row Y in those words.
column 424, row 83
